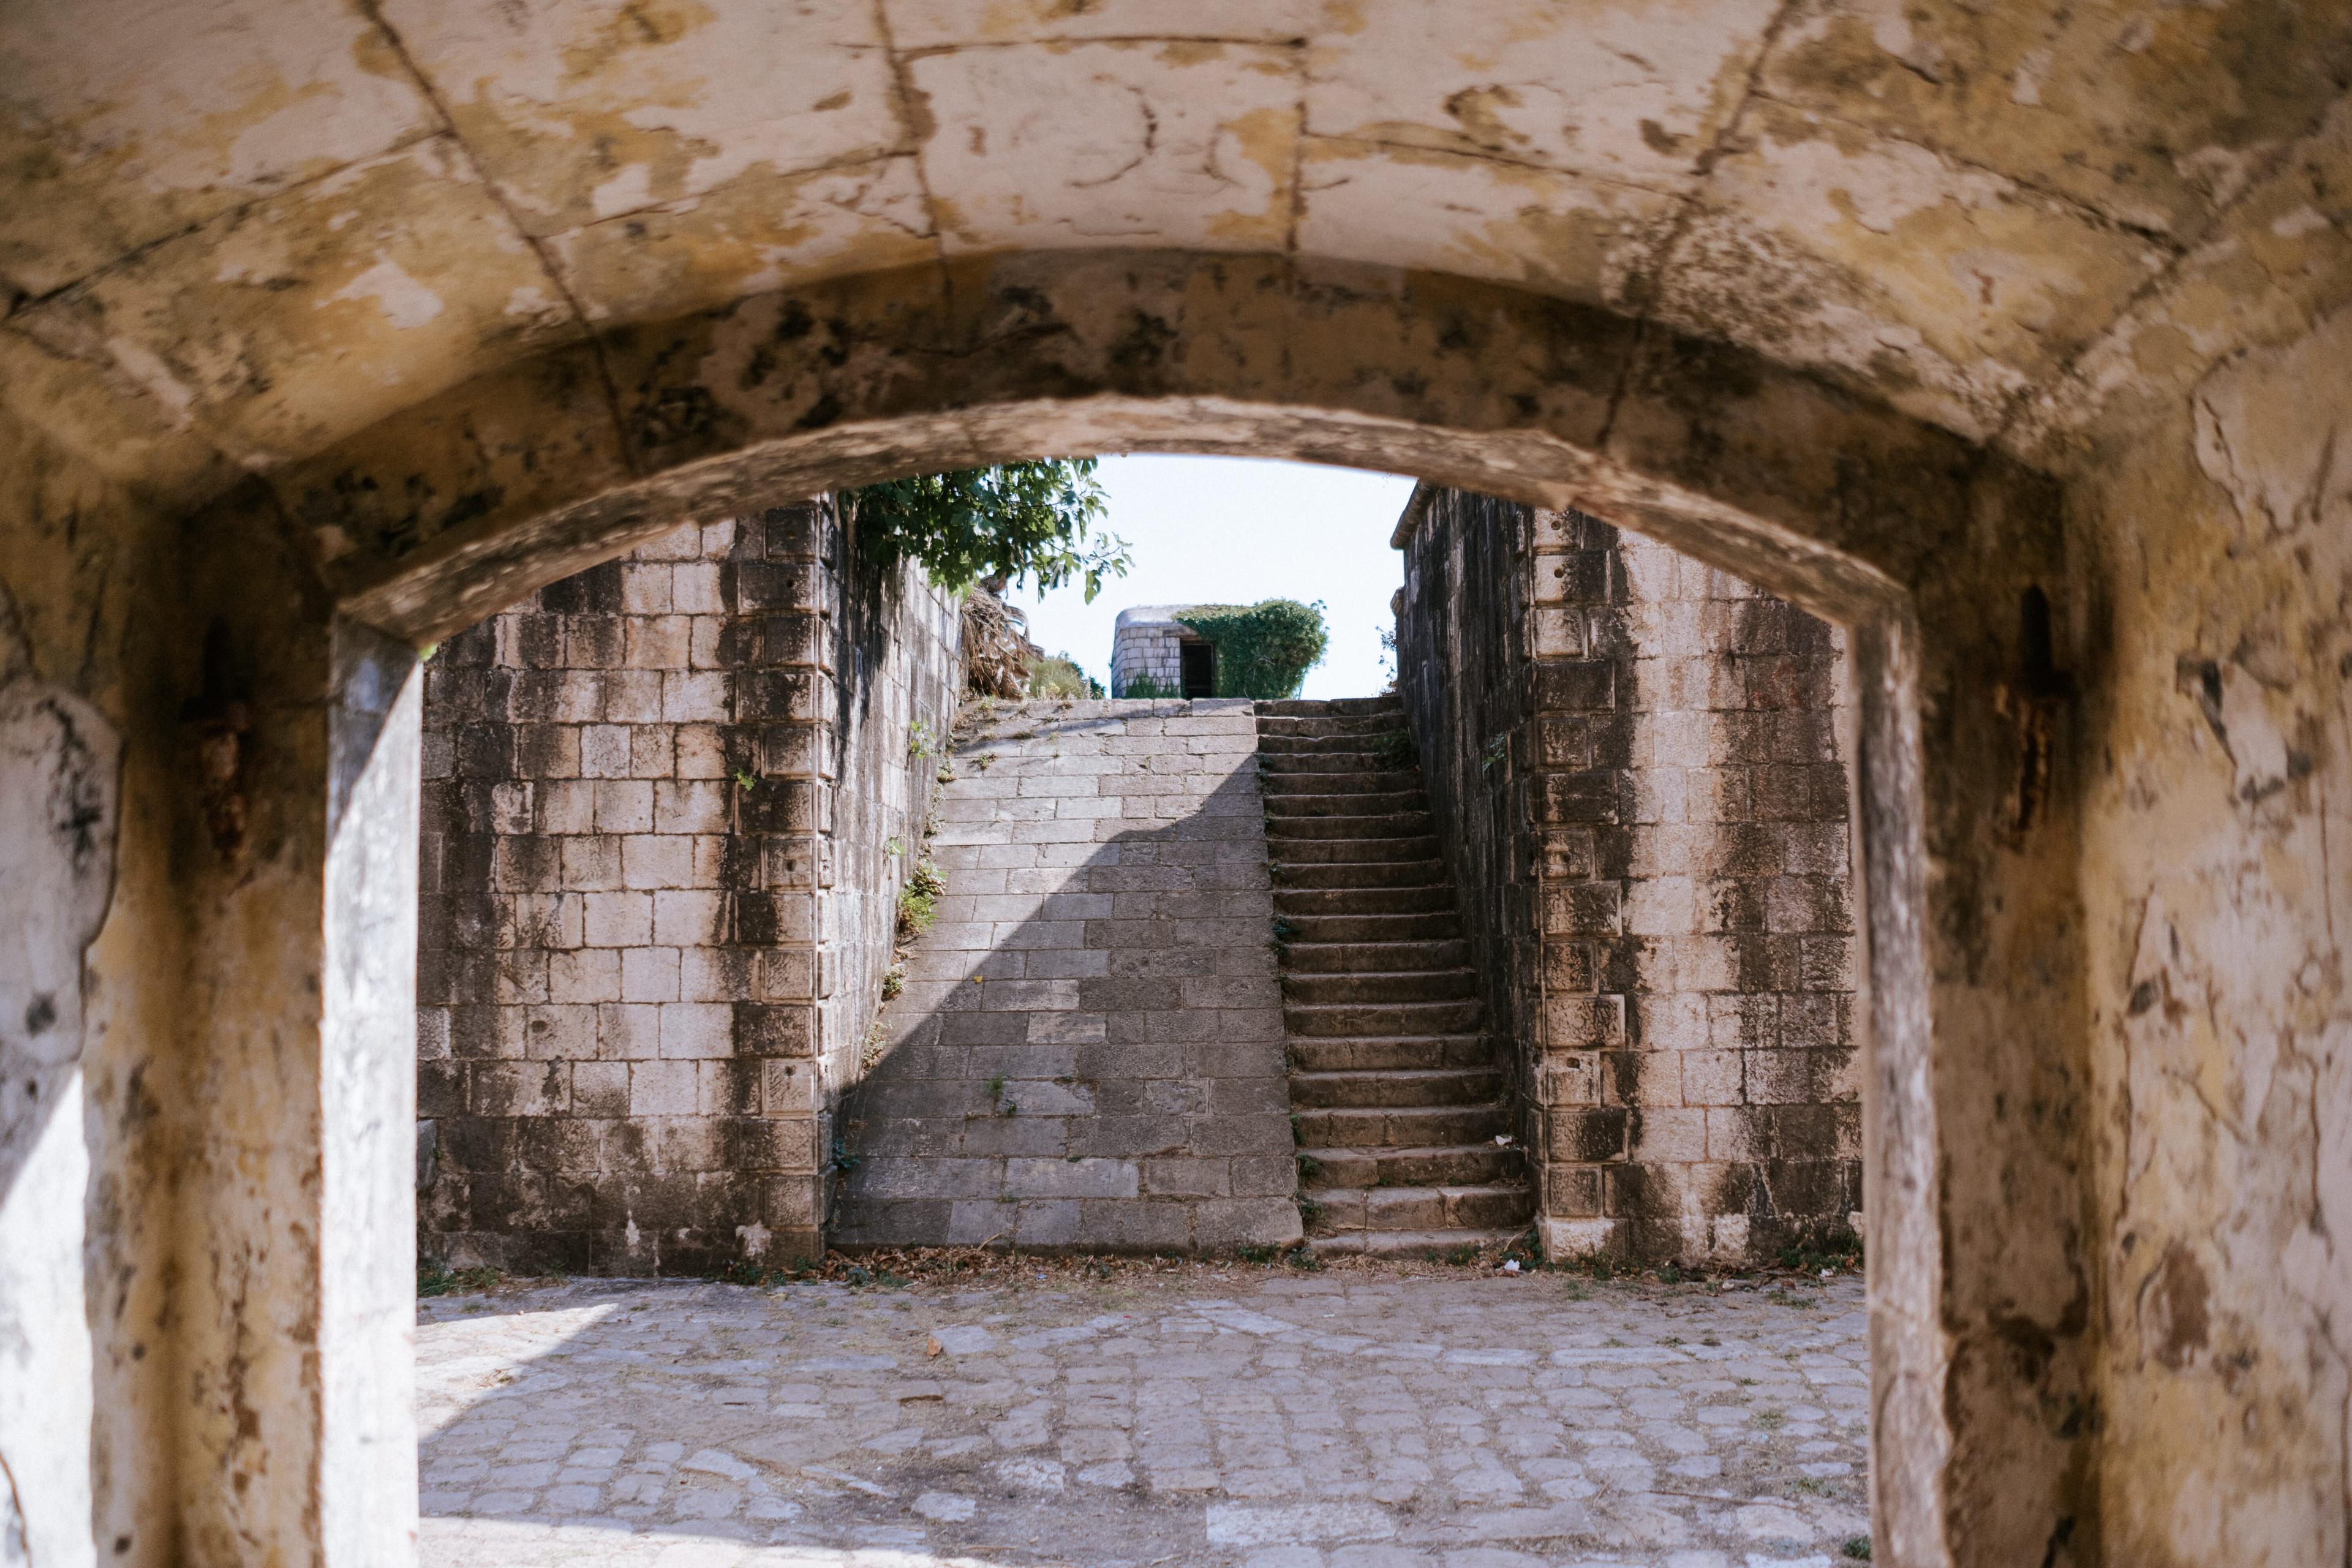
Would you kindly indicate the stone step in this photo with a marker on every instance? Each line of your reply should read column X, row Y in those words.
column 1374, row 957
column 1434, row 926
column 1285, row 755
column 1394, row 825
column 1371, row 803
column 1365, row 1019
column 1494, row 1205
column 1395, row 1088
column 1344, row 875
column 1285, row 849
column 1424, row 899
column 1344, row 1053
column 1338, row 780
column 1312, row 752
column 1410, row 1243
column 1391, row 986
column 1449, row 1165
column 1357, row 726
column 1330, row 707
column 1401, row 1127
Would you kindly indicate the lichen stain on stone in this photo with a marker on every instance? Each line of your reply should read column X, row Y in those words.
column 2175, row 1309
column 1268, row 138
column 746, row 237
column 635, row 25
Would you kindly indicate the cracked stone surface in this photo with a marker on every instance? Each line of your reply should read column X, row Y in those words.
column 1249, row 1418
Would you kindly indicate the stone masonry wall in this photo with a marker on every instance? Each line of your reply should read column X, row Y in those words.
column 1661, row 848
column 1088, row 1053
column 647, row 907
column 898, row 675
column 1147, row 646
column 1463, row 659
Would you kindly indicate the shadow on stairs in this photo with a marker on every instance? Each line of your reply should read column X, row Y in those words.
column 1393, row 1086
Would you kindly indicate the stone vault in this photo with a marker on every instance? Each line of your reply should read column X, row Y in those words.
column 2013, row 341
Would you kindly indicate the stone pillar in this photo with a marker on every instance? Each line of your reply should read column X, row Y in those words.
column 1636, row 763
column 367, row 1092
column 1699, row 1088
column 60, row 812
column 670, row 802
column 295, row 1297
column 772, row 1113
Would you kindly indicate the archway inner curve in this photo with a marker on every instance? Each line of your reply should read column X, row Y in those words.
column 455, row 576
column 432, row 518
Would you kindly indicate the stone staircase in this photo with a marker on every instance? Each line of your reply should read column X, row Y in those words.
column 1393, row 1089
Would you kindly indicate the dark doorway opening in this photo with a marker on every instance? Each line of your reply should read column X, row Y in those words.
column 1199, row 670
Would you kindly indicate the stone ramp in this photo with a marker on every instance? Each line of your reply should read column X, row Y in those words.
column 1393, row 1088
column 1086, row 1054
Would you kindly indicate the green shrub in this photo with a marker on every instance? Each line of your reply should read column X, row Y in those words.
column 1144, row 687
column 1059, row 676
column 1263, row 650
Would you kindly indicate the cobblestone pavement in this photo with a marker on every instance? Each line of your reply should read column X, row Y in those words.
column 1241, row 1418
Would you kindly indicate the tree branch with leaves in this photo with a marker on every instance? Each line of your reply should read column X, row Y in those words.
column 1016, row 521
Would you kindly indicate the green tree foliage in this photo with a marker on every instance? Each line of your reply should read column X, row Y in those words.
column 1015, row 522
column 1263, row 650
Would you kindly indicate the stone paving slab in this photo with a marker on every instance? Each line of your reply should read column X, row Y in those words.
column 1247, row 1417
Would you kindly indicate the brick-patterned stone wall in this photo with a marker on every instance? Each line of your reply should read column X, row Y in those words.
column 1148, row 645
column 647, row 910
column 1462, row 670
column 1089, row 1051
column 897, row 678
column 1654, row 841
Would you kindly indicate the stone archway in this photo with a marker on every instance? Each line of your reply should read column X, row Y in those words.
column 393, row 313
column 451, row 576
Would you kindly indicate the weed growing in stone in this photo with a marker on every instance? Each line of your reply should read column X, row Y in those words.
column 435, row 1280
column 1284, row 934
column 1857, row 1547
column 1839, row 1249
column 919, row 900
column 1394, row 749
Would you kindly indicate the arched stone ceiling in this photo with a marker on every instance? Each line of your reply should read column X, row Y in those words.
column 250, row 228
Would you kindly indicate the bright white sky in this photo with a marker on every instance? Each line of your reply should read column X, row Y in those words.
column 1232, row 530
